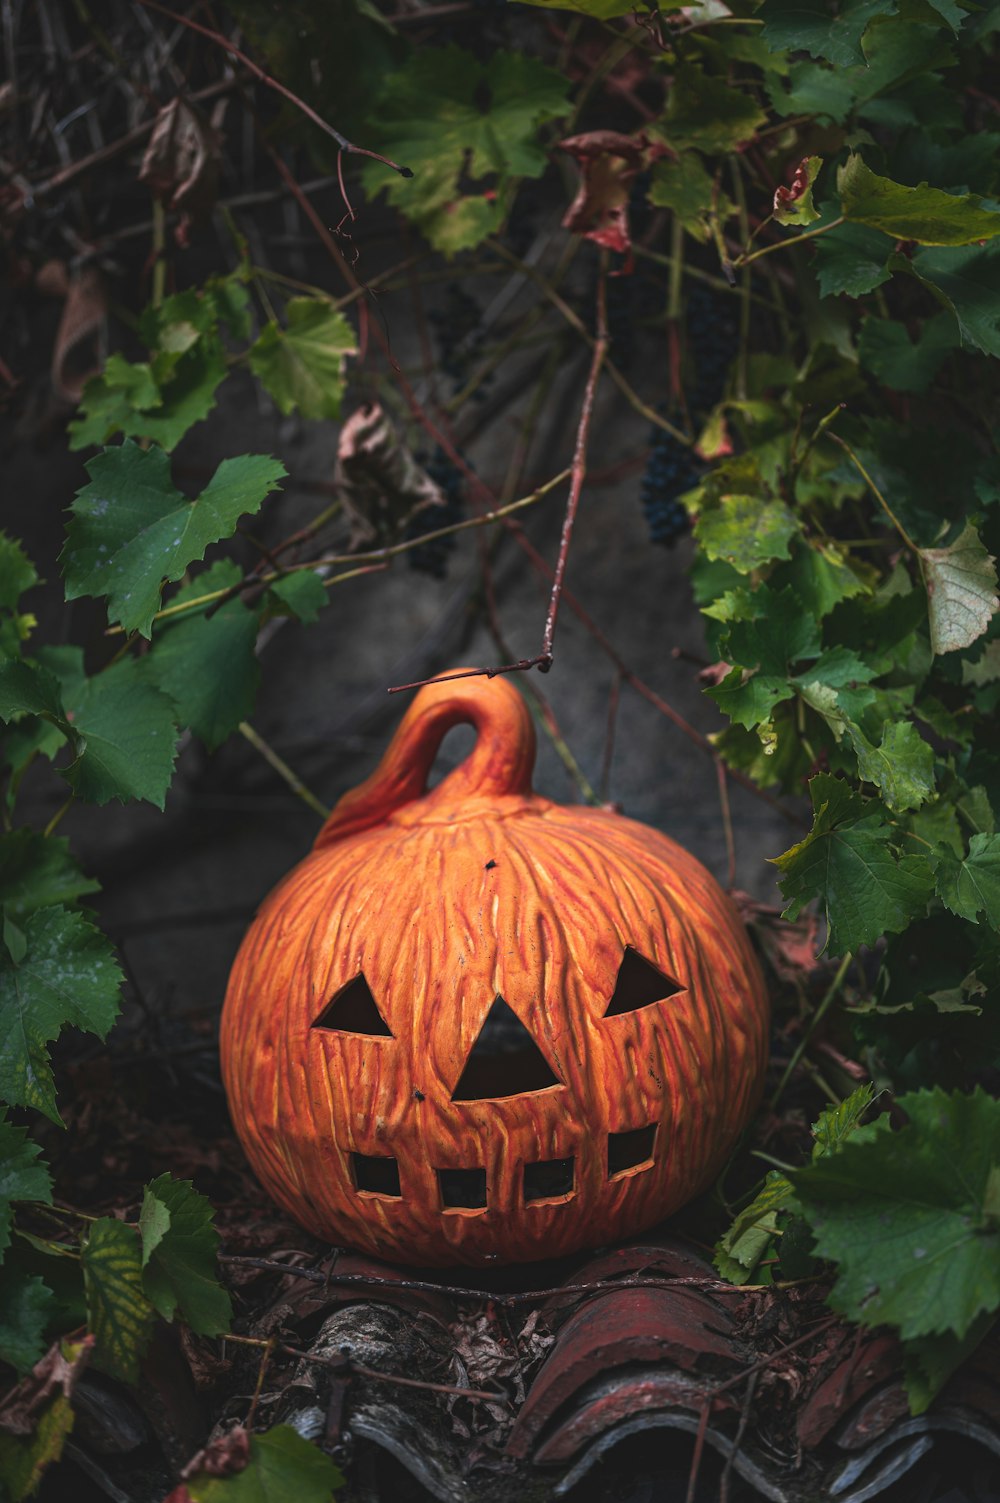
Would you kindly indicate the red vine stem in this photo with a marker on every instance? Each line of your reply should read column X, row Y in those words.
column 579, row 473
column 272, row 83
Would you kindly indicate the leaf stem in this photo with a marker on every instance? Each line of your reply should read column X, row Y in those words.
column 767, row 250
column 57, row 816
column 283, row 770
column 813, row 1024
column 875, row 491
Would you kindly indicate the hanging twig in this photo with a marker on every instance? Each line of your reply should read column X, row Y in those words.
column 579, row 473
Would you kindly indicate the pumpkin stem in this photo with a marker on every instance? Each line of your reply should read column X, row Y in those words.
column 500, row 762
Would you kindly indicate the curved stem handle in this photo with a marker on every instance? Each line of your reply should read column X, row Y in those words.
column 500, row 763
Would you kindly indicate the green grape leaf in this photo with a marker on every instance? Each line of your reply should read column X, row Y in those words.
column 113, row 401
column 986, row 668
column 687, row 188
column 127, row 740
column 205, row 663
column 17, row 572
column 131, row 529
column 179, row 1270
column 906, row 1217
column 158, row 400
column 836, row 1124
column 22, row 1177
column 706, row 113
column 836, row 686
column 901, row 767
column 749, row 700
column 937, row 823
column 163, row 397
column 302, row 594
column 30, row 689
column 68, row 976
column 745, row 531
column 25, row 1308
column 808, row 90
column 302, row 365
column 740, row 1249
column 820, row 576
column 851, row 259
column 847, row 861
column 37, row 871
column 886, row 350
column 779, row 634
column 971, row 887
column 118, row 1312
column 961, row 582
column 967, row 281
column 281, row 1466
column 924, row 214
column 455, row 121
column 154, row 1223
column 821, row 28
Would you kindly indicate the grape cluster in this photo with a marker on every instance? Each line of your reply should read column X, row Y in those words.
column 458, row 326
column 670, row 471
column 432, row 558
column 712, row 339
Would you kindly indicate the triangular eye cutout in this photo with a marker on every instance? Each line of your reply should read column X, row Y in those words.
column 504, row 1060
column 354, row 1010
column 639, row 984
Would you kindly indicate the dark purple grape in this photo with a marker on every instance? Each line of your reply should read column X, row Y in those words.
column 432, row 558
column 712, row 340
column 670, row 471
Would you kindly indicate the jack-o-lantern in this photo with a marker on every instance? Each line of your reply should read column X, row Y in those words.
column 475, row 1025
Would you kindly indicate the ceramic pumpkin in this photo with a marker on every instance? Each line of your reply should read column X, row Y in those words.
column 476, row 1025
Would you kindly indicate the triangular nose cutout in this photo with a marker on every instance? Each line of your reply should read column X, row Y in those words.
column 504, row 1060
column 639, row 984
column 354, row 1010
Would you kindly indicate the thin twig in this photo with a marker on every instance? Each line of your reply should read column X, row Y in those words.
column 768, row 250
column 265, row 1358
column 346, row 1363
column 814, row 1022
column 835, row 437
column 333, row 1280
column 374, row 559
column 579, row 472
column 727, row 822
column 272, row 83
column 283, row 770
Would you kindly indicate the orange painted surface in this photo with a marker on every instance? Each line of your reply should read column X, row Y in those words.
column 443, row 901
